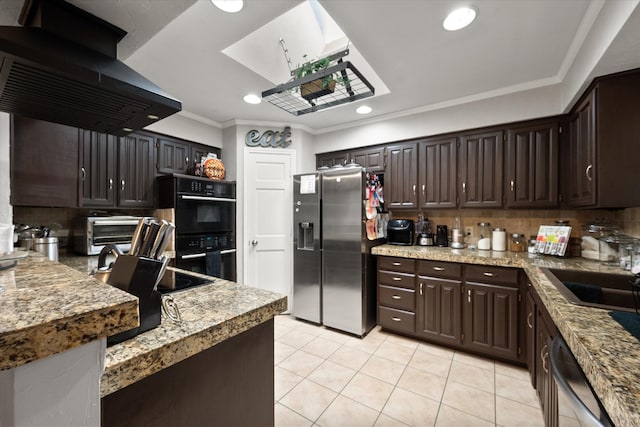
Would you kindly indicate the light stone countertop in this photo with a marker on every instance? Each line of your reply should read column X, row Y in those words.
column 48, row 307
column 211, row 313
column 606, row 352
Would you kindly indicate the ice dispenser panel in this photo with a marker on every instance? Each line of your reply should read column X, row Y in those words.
column 305, row 236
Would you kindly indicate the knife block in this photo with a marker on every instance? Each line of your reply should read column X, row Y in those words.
column 138, row 276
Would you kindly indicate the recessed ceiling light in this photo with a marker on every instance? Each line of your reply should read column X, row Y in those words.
column 127, row 129
column 363, row 109
column 152, row 117
column 252, row 98
column 231, row 6
column 459, row 18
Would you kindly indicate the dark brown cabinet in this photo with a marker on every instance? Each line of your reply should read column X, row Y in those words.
column 332, row 159
column 174, row 155
column 44, row 163
column 603, row 151
column 437, row 169
column 531, row 319
column 481, row 166
column 401, row 176
column 396, row 294
column 491, row 306
column 136, row 170
column 438, row 314
column 532, row 166
column 98, row 163
column 371, row 158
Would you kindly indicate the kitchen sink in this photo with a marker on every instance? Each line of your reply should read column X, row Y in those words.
column 608, row 291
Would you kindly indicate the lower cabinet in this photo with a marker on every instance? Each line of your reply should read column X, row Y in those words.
column 470, row 307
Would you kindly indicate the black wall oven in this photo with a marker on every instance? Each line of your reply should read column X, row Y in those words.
column 205, row 218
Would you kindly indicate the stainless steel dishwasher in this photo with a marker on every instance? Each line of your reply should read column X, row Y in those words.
column 576, row 399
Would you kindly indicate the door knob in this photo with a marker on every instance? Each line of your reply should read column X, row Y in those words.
column 253, row 242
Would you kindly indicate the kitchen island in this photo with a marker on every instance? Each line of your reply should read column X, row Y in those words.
column 607, row 353
column 217, row 362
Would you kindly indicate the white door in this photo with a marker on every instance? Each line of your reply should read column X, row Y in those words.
column 268, row 220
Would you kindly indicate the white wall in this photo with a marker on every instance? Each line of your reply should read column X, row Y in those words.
column 6, row 212
column 524, row 105
column 182, row 125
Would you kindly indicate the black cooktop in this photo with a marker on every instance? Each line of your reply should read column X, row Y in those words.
column 178, row 281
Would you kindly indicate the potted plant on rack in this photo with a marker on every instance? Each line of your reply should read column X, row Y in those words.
column 321, row 86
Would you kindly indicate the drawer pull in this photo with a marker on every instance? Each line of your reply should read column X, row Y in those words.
column 396, row 297
column 397, row 279
column 438, row 268
column 396, row 319
column 488, row 274
column 397, row 264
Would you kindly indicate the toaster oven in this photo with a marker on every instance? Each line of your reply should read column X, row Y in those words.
column 92, row 233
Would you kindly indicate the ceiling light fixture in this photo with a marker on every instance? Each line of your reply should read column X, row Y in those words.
column 231, row 6
column 252, row 98
column 363, row 109
column 459, row 18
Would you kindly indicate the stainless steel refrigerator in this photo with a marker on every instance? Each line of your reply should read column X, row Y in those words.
column 334, row 271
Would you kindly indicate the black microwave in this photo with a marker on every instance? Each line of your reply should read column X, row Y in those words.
column 201, row 205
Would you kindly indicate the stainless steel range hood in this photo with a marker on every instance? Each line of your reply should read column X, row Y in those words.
column 62, row 67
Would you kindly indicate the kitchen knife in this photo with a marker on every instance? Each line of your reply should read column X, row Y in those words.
column 166, row 238
column 165, row 262
column 138, row 234
column 149, row 238
column 156, row 242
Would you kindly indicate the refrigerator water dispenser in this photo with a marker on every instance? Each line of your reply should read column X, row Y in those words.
column 305, row 236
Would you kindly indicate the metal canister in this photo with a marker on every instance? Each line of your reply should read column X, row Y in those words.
column 47, row 246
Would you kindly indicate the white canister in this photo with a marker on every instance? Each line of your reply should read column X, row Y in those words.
column 499, row 239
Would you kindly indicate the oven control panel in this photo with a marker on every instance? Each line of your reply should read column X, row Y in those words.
column 207, row 243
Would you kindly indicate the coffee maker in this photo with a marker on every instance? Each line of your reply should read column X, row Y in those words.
column 442, row 236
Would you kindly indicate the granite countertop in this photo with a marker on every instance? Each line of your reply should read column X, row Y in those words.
column 607, row 353
column 210, row 313
column 48, row 308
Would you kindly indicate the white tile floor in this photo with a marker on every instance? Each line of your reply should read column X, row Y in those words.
column 326, row 378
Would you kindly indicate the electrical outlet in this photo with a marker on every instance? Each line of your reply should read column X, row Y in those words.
column 468, row 231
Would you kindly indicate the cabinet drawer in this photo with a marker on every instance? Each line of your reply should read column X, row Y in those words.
column 401, row 280
column 402, row 265
column 403, row 299
column 490, row 274
column 447, row 270
column 396, row 319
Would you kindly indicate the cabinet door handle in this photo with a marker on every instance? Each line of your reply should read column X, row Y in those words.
column 397, row 279
column 469, row 296
column 84, row 173
column 186, row 160
column 486, row 273
column 423, row 189
column 414, row 189
column 396, row 319
column 438, row 268
column 543, row 356
column 110, row 184
column 512, row 185
column 421, row 285
column 396, row 297
column 397, row 264
column 122, row 185
column 587, row 172
column 464, row 187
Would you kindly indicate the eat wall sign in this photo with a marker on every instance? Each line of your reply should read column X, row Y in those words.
column 269, row 138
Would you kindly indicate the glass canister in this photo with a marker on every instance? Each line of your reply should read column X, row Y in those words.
column 484, row 236
column 518, row 243
column 635, row 259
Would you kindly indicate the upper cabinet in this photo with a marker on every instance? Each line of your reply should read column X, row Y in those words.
column 481, row 166
column 372, row 158
column 98, row 166
column 136, row 170
column 401, row 176
column 531, row 171
column 603, row 147
column 177, row 155
column 44, row 163
column 437, row 169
